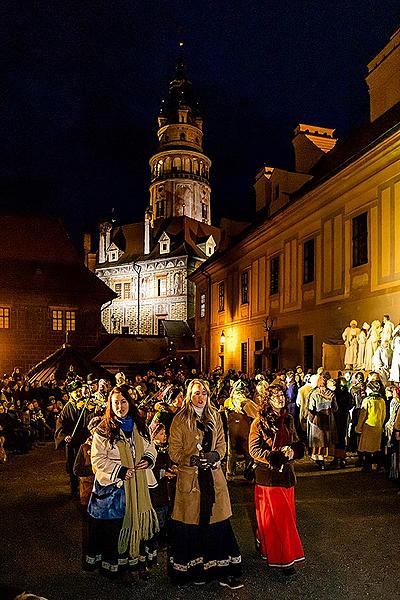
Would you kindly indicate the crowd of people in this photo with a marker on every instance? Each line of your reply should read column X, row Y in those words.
column 150, row 457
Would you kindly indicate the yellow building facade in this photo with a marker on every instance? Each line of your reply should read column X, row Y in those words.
column 325, row 248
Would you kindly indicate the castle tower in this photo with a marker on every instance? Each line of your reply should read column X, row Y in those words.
column 180, row 170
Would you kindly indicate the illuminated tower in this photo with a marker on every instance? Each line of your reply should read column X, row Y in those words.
column 180, row 170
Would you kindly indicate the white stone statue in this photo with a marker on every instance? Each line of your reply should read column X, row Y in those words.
column 382, row 360
column 387, row 328
column 395, row 368
column 350, row 335
column 373, row 337
column 362, row 340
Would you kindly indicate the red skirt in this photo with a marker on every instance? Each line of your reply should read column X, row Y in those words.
column 277, row 533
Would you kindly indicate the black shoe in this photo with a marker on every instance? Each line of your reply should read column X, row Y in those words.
column 334, row 464
column 289, row 571
column 342, row 463
column 321, row 465
column 233, row 583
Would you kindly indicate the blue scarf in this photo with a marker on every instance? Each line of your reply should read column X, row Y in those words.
column 126, row 423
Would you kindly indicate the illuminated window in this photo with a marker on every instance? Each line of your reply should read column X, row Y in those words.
column 274, row 276
column 70, row 320
column 57, row 320
column 4, row 317
column 221, row 296
column 308, row 261
column 127, row 290
column 202, row 305
column 160, row 208
column 245, row 287
column 118, row 289
column 360, row 240
column 161, row 286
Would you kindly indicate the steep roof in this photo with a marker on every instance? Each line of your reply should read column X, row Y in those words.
column 37, row 255
column 185, row 235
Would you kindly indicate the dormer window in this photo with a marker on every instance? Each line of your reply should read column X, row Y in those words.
column 165, row 244
column 113, row 253
column 210, row 246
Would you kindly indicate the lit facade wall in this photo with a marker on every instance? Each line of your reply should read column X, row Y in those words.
column 338, row 292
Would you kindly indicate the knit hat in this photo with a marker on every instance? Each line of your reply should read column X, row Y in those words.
column 374, row 387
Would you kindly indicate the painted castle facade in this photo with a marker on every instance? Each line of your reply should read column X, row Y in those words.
column 147, row 263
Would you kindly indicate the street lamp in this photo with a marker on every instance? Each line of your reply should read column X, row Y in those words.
column 222, row 338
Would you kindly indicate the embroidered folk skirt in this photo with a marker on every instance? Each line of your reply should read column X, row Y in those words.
column 102, row 548
column 277, row 535
column 203, row 552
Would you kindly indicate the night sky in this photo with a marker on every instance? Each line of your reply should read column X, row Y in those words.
column 81, row 85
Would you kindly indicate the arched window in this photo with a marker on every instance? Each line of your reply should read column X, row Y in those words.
column 182, row 137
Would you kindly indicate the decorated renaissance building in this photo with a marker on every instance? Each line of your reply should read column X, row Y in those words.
column 147, row 263
column 324, row 249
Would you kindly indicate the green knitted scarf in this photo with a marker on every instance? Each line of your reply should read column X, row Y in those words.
column 140, row 520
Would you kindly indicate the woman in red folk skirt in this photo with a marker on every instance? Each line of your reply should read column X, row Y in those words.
column 273, row 444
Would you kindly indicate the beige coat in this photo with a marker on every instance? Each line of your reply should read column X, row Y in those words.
column 182, row 445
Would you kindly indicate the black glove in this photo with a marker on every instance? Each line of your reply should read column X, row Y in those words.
column 211, row 457
column 276, row 459
column 195, row 460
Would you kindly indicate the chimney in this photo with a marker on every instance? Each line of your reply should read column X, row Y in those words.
column 147, row 223
column 262, row 187
column 383, row 78
column 310, row 142
column 104, row 240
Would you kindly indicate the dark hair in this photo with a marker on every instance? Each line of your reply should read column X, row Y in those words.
column 109, row 427
column 266, row 409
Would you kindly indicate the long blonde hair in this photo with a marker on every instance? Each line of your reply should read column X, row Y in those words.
column 187, row 412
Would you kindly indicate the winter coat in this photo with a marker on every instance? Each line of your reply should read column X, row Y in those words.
column 322, row 427
column 106, row 460
column 183, row 443
column 273, row 469
column 370, row 423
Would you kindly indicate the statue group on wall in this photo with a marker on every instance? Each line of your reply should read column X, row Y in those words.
column 374, row 347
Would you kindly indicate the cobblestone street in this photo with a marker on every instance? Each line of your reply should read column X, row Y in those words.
column 348, row 521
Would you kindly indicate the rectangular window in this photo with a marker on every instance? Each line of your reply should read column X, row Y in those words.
column 274, row 276
column 57, row 320
column 245, row 287
column 162, row 286
column 118, row 289
column 160, row 208
column 160, row 327
column 221, row 296
column 127, row 290
column 360, row 240
column 308, row 261
column 204, row 211
column 4, row 317
column 202, row 305
column 243, row 357
column 70, row 320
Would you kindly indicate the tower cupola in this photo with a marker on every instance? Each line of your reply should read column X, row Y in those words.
column 180, row 170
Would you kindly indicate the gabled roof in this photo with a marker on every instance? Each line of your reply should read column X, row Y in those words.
column 133, row 350
column 57, row 364
column 37, row 255
column 185, row 235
